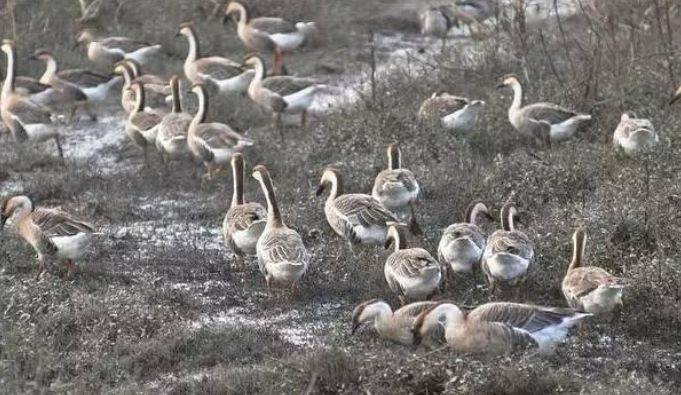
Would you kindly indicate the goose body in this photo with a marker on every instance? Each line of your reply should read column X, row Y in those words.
column 245, row 221
column 462, row 244
column 282, row 256
column 635, row 135
column 52, row 233
column 499, row 328
column 171, row 136
column 394, row 326
column 154, row 96
column 111, row 50
column 544, row 121
column 436, row 21
column 142, row 126
column 590, row 288
column 358, row 218
column 454, row 112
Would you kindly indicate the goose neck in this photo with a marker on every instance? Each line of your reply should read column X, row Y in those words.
column 8, row 86
column 238, row 175
column 273, row 214
column 517, row 97
column 194, row 50
column 577, row 251
column 50, row 70
column 200, row 115
column 175, row 91
column 139, row 98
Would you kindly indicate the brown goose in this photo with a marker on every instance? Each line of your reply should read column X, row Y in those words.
column 111, row 50
column 394, row 326
column 142, row 125
column 171, row 136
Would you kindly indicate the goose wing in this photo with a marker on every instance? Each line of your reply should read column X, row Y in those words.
column 516, row 243
column 30, row 85
column 548, row 112
column 584, row 280
column 83, row 77
column 55, row 223
column 150, row 79
column 241, row 217
column 286, row 85
column 27, row 112
column 219, row 135
column 124, row 44
column 145, row 120
column 441, row 106
column 411, row 263
column 270, row 25
column 393, row 179
column 524, row 316
column 412, row 310
column 282, row 245
column 363, row 210
column 218, row 68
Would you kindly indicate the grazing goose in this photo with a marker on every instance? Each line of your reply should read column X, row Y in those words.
column 547, row 122
column 274, row 35
column 244, row 222
column 634, row 135
column 394, row 326
column 462, row 244
column 142, row 125
column 590, row 288
column 111, row 50
column 411, row 273
column 52, row 233
column 498, row 328
column 213, row 143
column 227, row 75
column 95, row 86
column 28, row 121
column 282, row 256
column 436, row 21
column 473, row 12
column 282, row 94
column 397, row 189
column 358, row 218
column 454, row 112
column 171, row 136
column 509, row 254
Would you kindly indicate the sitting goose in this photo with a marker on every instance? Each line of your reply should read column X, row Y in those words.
column 213, row 143
column 411, row 273
column 282, row 256
column 52, row 233
column 26, row 120
column 244, row 222
column 397, row 189
column 274, row 35
column 634, row 135
column 142, row 125
column 590, row 288
column 454, row 112
column 282, row 94
column 358, row 218
column 111, row 50
column 227, row 75
column 509, row 254
column 171, row 136
column 544, row 121
column 498, row 328
column 462, row 244
column 394, row 326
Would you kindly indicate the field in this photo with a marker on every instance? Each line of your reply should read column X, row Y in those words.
column 159, row 306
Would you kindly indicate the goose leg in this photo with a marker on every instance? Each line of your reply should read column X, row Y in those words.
column 278, row 62
column 295, row 289
column 41, row 268
column 90, row 113
column 70, row 269
column 59, row 148
column 414, row 227
column 303, row 119
column 278, row 124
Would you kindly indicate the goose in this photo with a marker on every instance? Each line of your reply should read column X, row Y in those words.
column 52, row 233
column 411, row 273
column 634, row 135
column 171, row 135
column 498, row 328
column 95, row 86
column 396, row 188
column 153, row 94
column 453, row 112
column 547, row 122
column 213, row 143
column 358, row 218
column 508, row 256
column 153, row 84
column 462, row 244
column 28, row 121
column 142, row 125
column 590, row 288
column 111, row 50
column 436, row 21
column 275, row 35
column 473, row 12
column 244, row 222
column 282, row 256
column 391, row 325
column 282, row 94
column 227, row 75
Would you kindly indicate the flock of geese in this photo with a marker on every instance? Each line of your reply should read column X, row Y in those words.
column 34, row 110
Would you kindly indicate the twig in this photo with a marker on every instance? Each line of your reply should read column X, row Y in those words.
column 430, row 353
column 553, row 66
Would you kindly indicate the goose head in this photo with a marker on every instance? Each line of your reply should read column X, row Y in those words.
column 367, row 312
column 477, row 104
column 578, row 248
column 509, row 80
column 86, row 36
column 331, row 178
column 443, row 314
column 235, row 8
column 20, row 204
column 186, row 29
column 8, row 46
column 42, row 54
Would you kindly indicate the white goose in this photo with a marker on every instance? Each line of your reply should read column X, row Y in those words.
column 634, row 135
column 462, row 244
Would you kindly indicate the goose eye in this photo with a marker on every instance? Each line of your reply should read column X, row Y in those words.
column 513, row 250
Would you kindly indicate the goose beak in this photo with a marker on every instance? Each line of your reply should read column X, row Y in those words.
column 355, row 327
column 417, row 337
column 3, row 219
column 388, row 243
column 75, row 45
column 226, row 19
column 675, row 99
column 320, row 190
column 502, row 85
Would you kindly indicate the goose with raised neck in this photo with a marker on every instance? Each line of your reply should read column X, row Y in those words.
column 142, row 125
column 394, row 326
column 462, row 244
column 171, row 136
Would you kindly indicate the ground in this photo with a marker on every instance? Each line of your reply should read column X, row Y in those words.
column 159, row 304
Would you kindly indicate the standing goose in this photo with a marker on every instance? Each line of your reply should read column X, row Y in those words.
column 154, row 95
column 111, row 50
column 52, row 233
column 634, row 135
column 397, row 189
column 244, row 222
column 224, row 73
column 547, row 122
column 26, row 120
column 411, row 273
column 590, row 288
column 274, row 35
column 454, row 112
column 282, row 94
column 282, row 256
column 462, row 244
column 509, row 254
column 156, row 86
column 498, row 328
column 213, row 143
column 394, row 326
column 171, row 136
column 358, row 218
column 142, row 125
